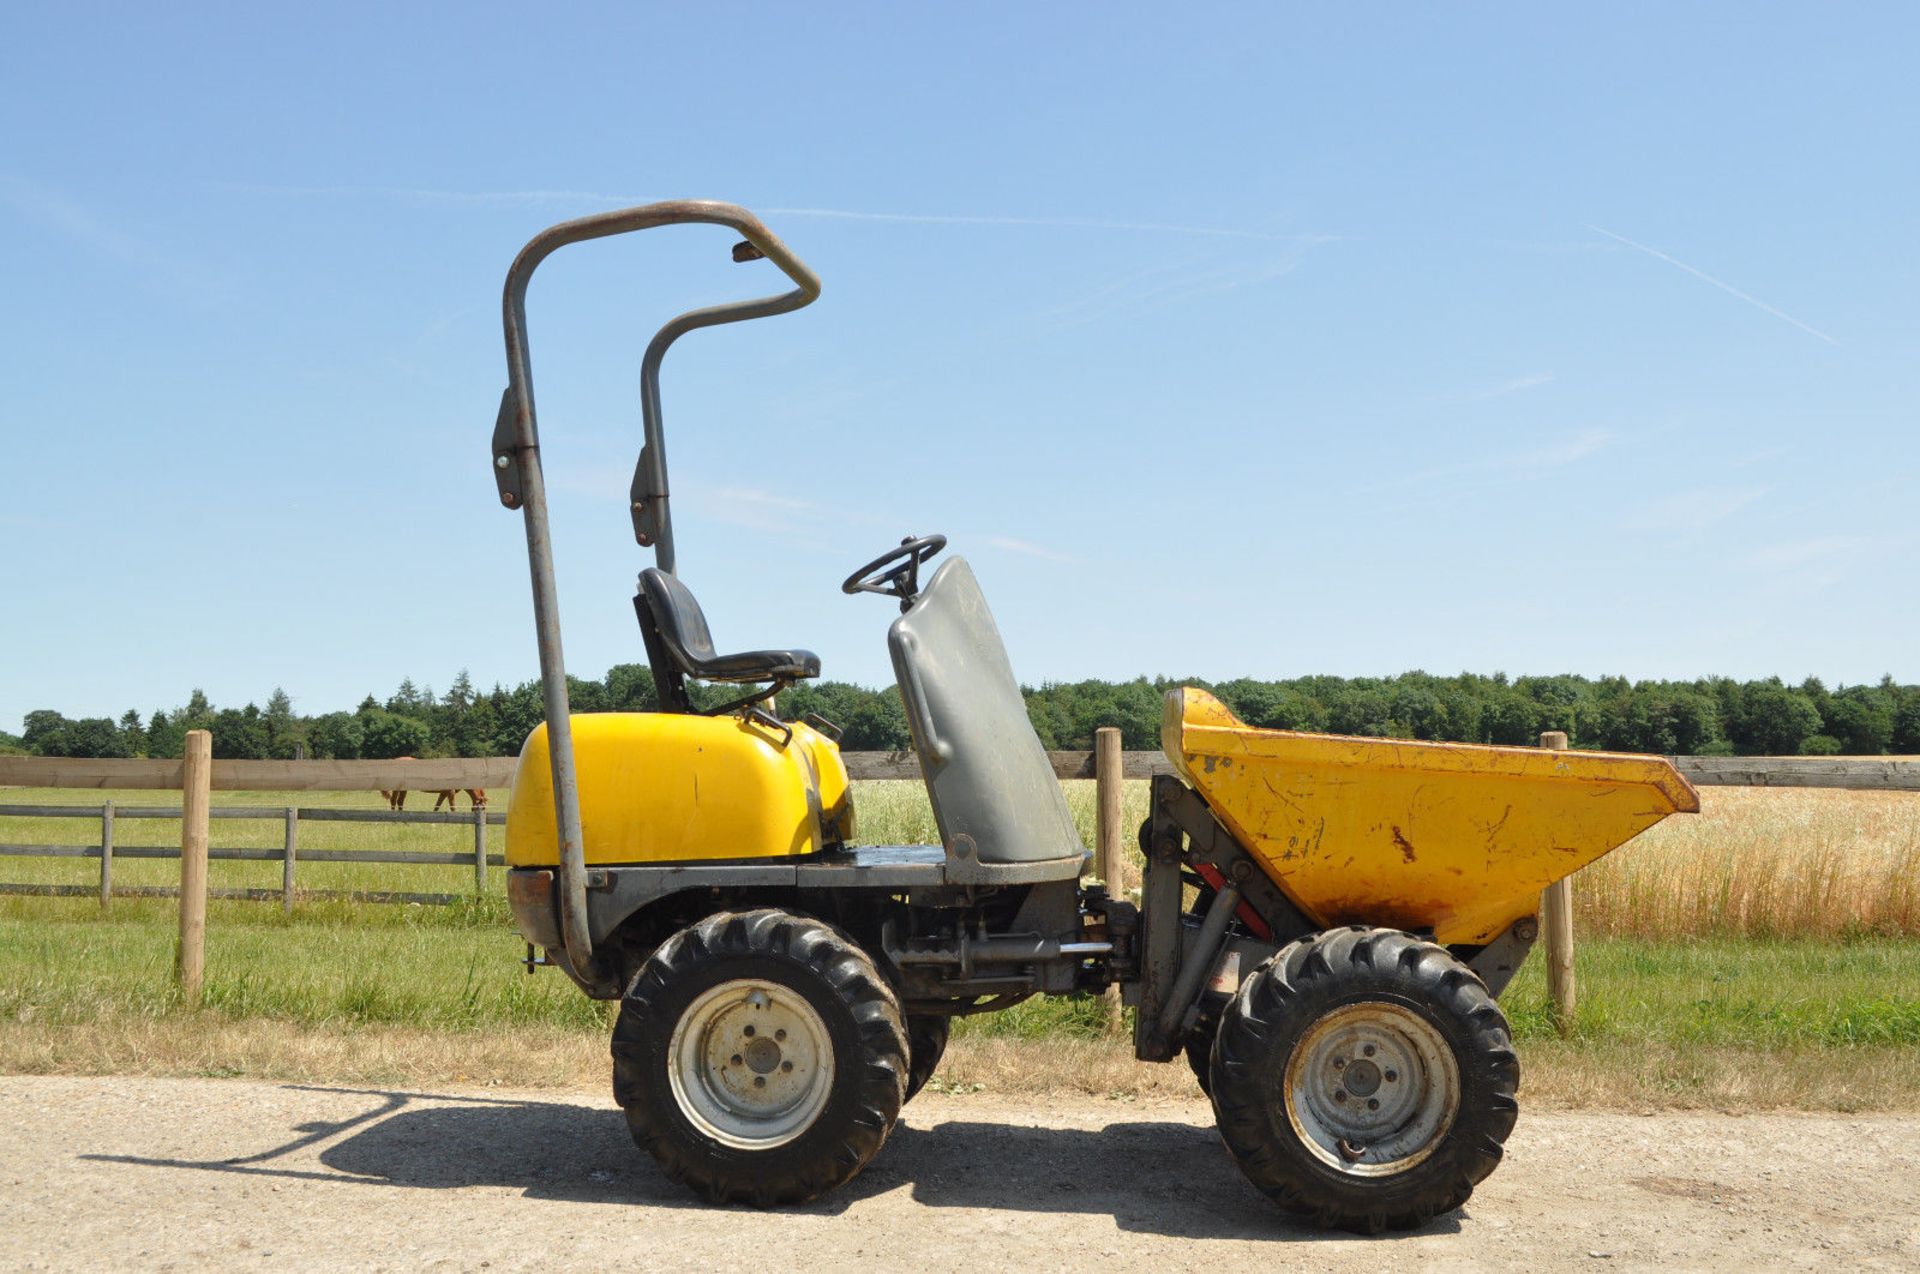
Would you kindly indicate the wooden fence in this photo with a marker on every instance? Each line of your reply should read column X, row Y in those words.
column 288, row 852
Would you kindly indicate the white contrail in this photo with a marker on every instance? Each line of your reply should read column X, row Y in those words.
column 1012, row 545
column 1724, row 287
column 520, row 197
column 1064, row 223
column 511, row 197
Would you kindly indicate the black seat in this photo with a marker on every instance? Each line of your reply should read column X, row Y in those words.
column 679, row 645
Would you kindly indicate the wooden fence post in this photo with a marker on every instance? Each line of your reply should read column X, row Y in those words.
column 196, row 773
column 1109, row 842
column 286, row 860
column 479, row 850
column 106, row 856
column 1556, row 926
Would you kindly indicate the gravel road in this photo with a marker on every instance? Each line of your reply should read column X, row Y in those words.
column 240, row 1174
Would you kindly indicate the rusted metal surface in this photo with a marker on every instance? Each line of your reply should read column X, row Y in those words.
column 1160, row 924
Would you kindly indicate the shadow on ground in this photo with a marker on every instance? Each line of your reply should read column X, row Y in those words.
column 1163, row 1178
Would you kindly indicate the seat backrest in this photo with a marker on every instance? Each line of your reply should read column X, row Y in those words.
column 993, row 790
column 682, row 624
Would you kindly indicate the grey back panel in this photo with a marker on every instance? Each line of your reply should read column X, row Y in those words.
column 993, row 790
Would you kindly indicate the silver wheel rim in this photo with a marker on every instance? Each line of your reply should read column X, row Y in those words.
column 1372, row 1089
column 750, row 1064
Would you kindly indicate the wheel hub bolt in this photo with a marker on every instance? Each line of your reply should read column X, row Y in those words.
column 1339, row 1094
column 1363, row 1078
column 780, row 1035
column 1368, row 1050
column 748, row 1032
column 1339, row 1062
column 1373, row 1103
column 1392, row 1075
column 759, row 1081
column 786, row 1066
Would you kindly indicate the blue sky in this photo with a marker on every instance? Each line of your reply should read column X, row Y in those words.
column 1225, row 341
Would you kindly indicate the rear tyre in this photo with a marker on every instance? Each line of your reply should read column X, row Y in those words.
column 760, row 1058
column 1364, row 1079
column 926, row 1044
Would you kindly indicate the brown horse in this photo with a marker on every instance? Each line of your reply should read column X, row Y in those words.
column 397, row 799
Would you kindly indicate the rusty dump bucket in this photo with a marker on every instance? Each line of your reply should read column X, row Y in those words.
column 1447, row 837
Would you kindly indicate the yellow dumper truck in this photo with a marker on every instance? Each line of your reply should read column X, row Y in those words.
column 1323, row 928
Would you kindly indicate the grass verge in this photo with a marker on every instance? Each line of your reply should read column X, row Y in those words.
column 1803, row 993
column 367, row 994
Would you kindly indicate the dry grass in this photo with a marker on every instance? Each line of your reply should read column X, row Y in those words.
column 1632, row 1077
column 1638, row 1075
column 1554, row 1075
column 211, row 1044
column 1760, row 862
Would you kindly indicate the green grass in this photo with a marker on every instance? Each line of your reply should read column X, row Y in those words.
column 1770, row 995
column 455, row 969
column 332, row 964
column 1719, row 992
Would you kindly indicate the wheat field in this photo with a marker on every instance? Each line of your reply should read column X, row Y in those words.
column 1764, row 863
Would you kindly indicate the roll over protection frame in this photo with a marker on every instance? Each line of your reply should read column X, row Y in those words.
column 517, row 474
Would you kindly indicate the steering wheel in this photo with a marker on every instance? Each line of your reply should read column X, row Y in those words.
column 901, row 574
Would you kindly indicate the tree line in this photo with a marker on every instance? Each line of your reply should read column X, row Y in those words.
column 1711, row 716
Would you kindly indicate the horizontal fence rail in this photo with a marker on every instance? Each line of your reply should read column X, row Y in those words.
column 1854, row 773
column 1866, row 773
column 255, row 812
column 263, row 776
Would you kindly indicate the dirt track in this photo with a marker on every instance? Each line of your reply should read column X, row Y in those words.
column 151, row 1173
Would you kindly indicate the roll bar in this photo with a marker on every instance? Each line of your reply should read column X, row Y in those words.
column 517, row 474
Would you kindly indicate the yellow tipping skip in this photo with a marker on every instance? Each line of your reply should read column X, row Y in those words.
column 667, row 787
column 1454, row 838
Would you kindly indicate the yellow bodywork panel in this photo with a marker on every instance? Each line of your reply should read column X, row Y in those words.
column 668, row 787
column 1455, row 838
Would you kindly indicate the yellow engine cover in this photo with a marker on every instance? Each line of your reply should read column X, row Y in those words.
column 669, row 787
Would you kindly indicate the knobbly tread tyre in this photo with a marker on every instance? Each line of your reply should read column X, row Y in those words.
column 864, row 1022
column 1275, row 1007
column 926, row 1044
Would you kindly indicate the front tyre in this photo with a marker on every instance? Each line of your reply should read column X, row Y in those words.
column 760, row 1058
column 1364, row 1079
